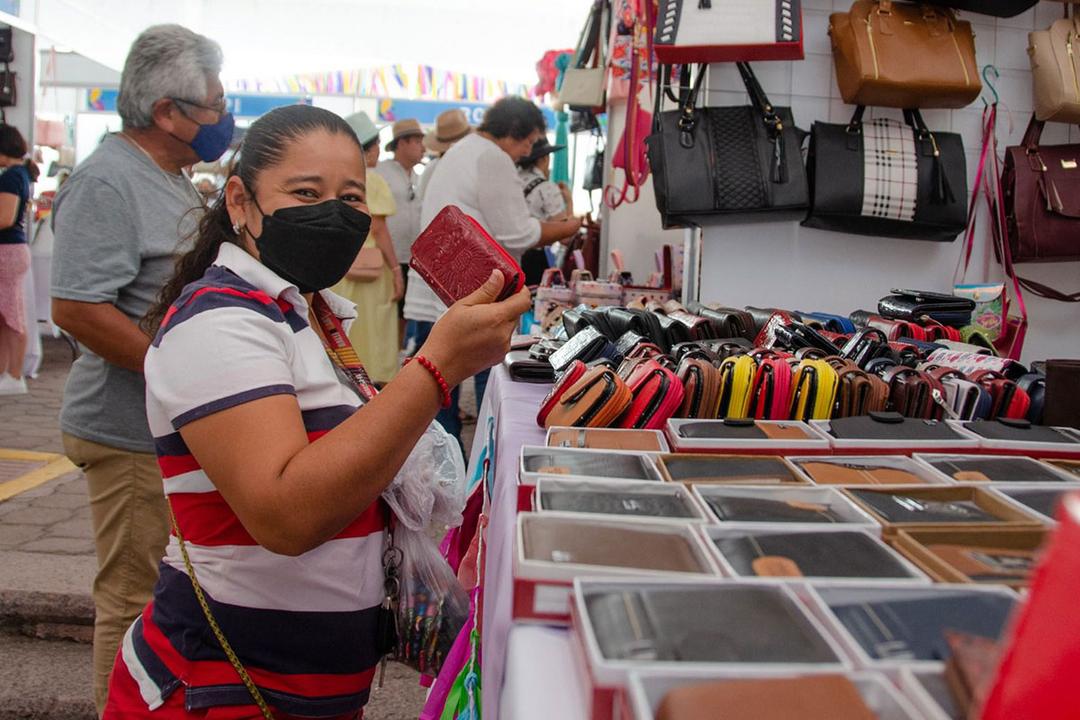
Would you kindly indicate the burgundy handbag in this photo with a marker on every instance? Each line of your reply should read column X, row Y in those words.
column 1042, row 200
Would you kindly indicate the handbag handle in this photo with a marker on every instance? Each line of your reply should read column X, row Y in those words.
column 1033, row 135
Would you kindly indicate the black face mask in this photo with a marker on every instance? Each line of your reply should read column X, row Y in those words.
column 312, row 246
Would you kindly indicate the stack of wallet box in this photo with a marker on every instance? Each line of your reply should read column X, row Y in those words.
column 785, row 569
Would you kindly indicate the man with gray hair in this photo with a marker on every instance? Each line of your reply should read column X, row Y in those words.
column 120, row 221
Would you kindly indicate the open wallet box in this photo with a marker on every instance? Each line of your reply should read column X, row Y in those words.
column 770, row 507
column 607, row 439
column 537, row 462
column 551, row 550
column 888, row 433
column 687, row 629
column 1005, row 436
column 626, row 500
column 746, row 696
column 856, row 471
column 887, row 627
column 1043, row 501
column 994, row 469
column 729, row 469
column 989, row 557
column 843, row 554
column 748, row 437
column 944, row 507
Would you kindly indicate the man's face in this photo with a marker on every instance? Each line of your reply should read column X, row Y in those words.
column 182, row 117
column 410, row 149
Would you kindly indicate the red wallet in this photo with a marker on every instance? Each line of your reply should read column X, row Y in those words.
column 455, row 256
column 658, row 394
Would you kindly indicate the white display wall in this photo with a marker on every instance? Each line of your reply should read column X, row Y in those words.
column 786, row 265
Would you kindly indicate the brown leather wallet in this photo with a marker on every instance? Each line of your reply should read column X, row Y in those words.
column 911, row 393
column 596, row 400
column 583, row 542
column 701, row 380
column 859, row 392
column 606, row 439
column 827, row 473
column 821, row 697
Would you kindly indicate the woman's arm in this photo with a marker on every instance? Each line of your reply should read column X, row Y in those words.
column 292, row 495
column 381, row 232
column 9, row 210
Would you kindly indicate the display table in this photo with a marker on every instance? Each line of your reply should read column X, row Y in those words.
column 507, row 421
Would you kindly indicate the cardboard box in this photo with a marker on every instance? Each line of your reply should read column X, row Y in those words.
column 720, row 532
column 914, row 544
column 542, row 586
column 647, row 690
column 706, row 469
column 818, row 597
column 527, row 478
column 1008, row 514
column 609, row 439
column 921, row 475
column 837, row 503
column 607, row 680
column 677, row 493
column 1027, row 469
column 787, row 436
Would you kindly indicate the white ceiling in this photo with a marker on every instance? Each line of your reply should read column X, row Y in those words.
column 500, row 39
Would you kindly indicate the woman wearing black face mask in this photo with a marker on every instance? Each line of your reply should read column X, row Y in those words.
column 272, row 463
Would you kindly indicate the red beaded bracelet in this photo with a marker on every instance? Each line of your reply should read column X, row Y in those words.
column 444, row 387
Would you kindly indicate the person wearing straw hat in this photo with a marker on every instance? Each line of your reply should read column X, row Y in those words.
column 546, row 201
column 407, row 145
column 374, row 332
column 450, row 126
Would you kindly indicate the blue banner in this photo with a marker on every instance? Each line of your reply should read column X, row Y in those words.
column 241, row 105
column 426, row 111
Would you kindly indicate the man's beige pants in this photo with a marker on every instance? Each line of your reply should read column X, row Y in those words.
column 131, row 529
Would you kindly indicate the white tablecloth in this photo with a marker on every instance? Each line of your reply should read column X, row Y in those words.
column 541, row 681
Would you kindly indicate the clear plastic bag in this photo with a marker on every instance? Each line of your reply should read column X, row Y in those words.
column 432, row 606
column 430, row 487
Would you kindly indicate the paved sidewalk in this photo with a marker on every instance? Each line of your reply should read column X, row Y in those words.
column 47, row 564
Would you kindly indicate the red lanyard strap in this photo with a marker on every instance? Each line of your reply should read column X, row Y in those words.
column 341, row 351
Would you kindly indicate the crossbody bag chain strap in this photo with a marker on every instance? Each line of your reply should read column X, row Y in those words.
column 256, row 695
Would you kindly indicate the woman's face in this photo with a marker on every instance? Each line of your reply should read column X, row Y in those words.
column 314, row 168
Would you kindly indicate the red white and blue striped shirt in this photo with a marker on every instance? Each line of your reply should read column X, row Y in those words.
column 303, row 627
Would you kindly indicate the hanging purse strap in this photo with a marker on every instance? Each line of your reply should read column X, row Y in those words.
column 633, row 176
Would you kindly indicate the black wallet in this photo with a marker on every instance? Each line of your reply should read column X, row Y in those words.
column 738, row 508
column 913, row 628
column 586, row 346
column 890, row 426
column 996, row 469
column 720, row 468
column 704, row 624
column 524, row 368
column 900, row 508
column 1044, row 502
column 913, row 305
column 846, row 554
column 616, row 502
column 1019, row 430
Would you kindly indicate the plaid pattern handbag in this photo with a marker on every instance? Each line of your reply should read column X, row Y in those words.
column 887, row 179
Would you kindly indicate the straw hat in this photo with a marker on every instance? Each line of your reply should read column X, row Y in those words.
column 403, row 129
column 450, row 127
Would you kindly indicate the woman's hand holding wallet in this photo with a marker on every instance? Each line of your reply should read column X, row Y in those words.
column 474, row 334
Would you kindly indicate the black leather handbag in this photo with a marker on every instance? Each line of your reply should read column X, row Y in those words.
column 725, row 164
column 886, row 179
column 997, row 8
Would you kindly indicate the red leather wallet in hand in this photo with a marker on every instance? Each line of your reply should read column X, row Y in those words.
column 455, row 256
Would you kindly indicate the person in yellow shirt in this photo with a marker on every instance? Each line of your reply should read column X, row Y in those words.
column 374, row 335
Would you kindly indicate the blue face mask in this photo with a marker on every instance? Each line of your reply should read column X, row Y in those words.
column 211, row 141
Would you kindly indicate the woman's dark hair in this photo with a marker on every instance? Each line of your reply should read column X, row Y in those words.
column 13, row 144
column 264, row 145
column 370, row 143
column 513, row 117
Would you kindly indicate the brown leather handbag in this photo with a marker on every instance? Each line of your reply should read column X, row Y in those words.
column 1042, row 202
column 898, row 55
column 1055, row 67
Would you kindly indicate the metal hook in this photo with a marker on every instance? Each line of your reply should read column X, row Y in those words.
column 987, row 69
